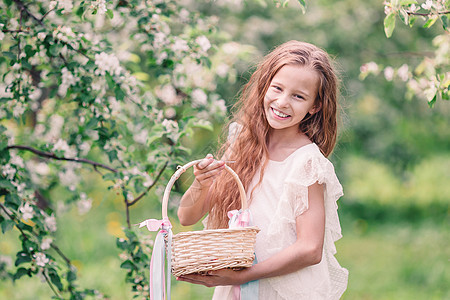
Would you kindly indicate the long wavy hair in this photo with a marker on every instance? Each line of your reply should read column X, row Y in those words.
column 249, row 147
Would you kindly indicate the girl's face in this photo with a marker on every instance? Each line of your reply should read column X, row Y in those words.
column 291, row 95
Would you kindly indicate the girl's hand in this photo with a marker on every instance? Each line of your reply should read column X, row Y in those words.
column 216, row 278
column 206, row 171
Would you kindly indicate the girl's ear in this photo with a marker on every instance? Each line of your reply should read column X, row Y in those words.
column 316, row 107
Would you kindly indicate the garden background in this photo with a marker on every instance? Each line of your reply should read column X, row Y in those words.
column 132, row 89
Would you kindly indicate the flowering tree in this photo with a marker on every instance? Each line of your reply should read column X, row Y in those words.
column 430, row 79
column 107, row 85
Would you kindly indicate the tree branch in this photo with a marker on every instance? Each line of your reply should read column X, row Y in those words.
column 53, row 156
column 151, row 186
column 429, row 14
column 51, row 285
column 22, row 7
column 46, row 14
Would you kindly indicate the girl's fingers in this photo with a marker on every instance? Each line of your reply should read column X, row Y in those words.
column 205, row 162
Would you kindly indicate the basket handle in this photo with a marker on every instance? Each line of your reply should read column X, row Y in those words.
column 182, row 169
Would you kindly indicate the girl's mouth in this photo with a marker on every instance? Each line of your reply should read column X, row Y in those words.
column 279, row 113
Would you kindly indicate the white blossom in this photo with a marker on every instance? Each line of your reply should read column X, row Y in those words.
column 130, row 196
column 161, row 57
column 183, row 15
column 17, row 160
column 7, row 260
column 141, row 136
column 61, row 145
column 68, row 177
column 219, row 106
column 41, row 259
column 170, row 125
column 100, row 5
column 52, row 5
column 413, row 8
column 403, row 72
column 203, row 42
column 63, row 33
column 8, row 171
column 107, row 63
column 18, row 109
column 84, row 204
column 46, row 243
column 199, row 98
column 50, row 223
column 41, row 35
column 427, row 5
column 389, row 73
column 68, row 79
column 222, row 70
column 2, row 35
column 168, row 94
column 170, row 113
column 370, row 67
column 27, row 211
column 180, row 45
column 159, row 40
column 85, row 147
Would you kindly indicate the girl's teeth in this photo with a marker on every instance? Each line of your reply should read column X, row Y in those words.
column 279, row 113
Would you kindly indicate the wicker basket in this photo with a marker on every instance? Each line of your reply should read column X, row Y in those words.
column 201, row 251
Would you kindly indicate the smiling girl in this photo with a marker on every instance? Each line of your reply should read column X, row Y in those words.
column 284, row 128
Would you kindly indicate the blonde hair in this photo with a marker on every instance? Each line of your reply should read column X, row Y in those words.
column 249, row 147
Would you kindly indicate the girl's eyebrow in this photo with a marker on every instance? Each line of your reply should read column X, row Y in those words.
column 295, row 91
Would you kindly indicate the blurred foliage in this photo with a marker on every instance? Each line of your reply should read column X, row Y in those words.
column 392, row 157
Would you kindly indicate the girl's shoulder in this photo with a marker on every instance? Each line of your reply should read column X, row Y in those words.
column 307, row 164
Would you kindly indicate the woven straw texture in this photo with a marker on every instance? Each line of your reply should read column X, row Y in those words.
column 201, row 251
column 206, row 250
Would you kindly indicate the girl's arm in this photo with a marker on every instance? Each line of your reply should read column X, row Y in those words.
column 306, row 251
column 194, row 203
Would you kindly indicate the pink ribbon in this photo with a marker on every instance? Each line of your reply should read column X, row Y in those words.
column 154, row 225
column 159, row 290
column 239, row 218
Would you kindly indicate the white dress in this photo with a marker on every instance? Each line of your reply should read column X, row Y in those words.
column 276, row 202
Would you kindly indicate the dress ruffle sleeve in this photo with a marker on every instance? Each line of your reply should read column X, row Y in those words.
column 329, row 279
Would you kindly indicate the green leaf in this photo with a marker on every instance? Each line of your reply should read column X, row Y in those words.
column 110, row 80
column 412, row 20
column 112, row 155
column 302, row 5
column 54, row 49
column 12, row 201
column 54, row 278
column 121, row 244
column 20, row 272
column 7, row 225
column 6, row 184
column 407, row 2
column 432, row 101
column 110, row 13
column 119, row 93
column 430, row 22
column 404, row 16
column 9, row 54
column 444, row 20
column 22, row 258
column 71, row 276
column 389, row 24
column 128, row 264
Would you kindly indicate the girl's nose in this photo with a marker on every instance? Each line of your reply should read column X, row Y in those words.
column 283, row 100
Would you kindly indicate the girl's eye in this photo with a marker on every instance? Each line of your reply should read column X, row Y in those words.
column 299, row 97
column 277, row 88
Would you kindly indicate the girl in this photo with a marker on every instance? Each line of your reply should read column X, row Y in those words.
column 284, row 129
